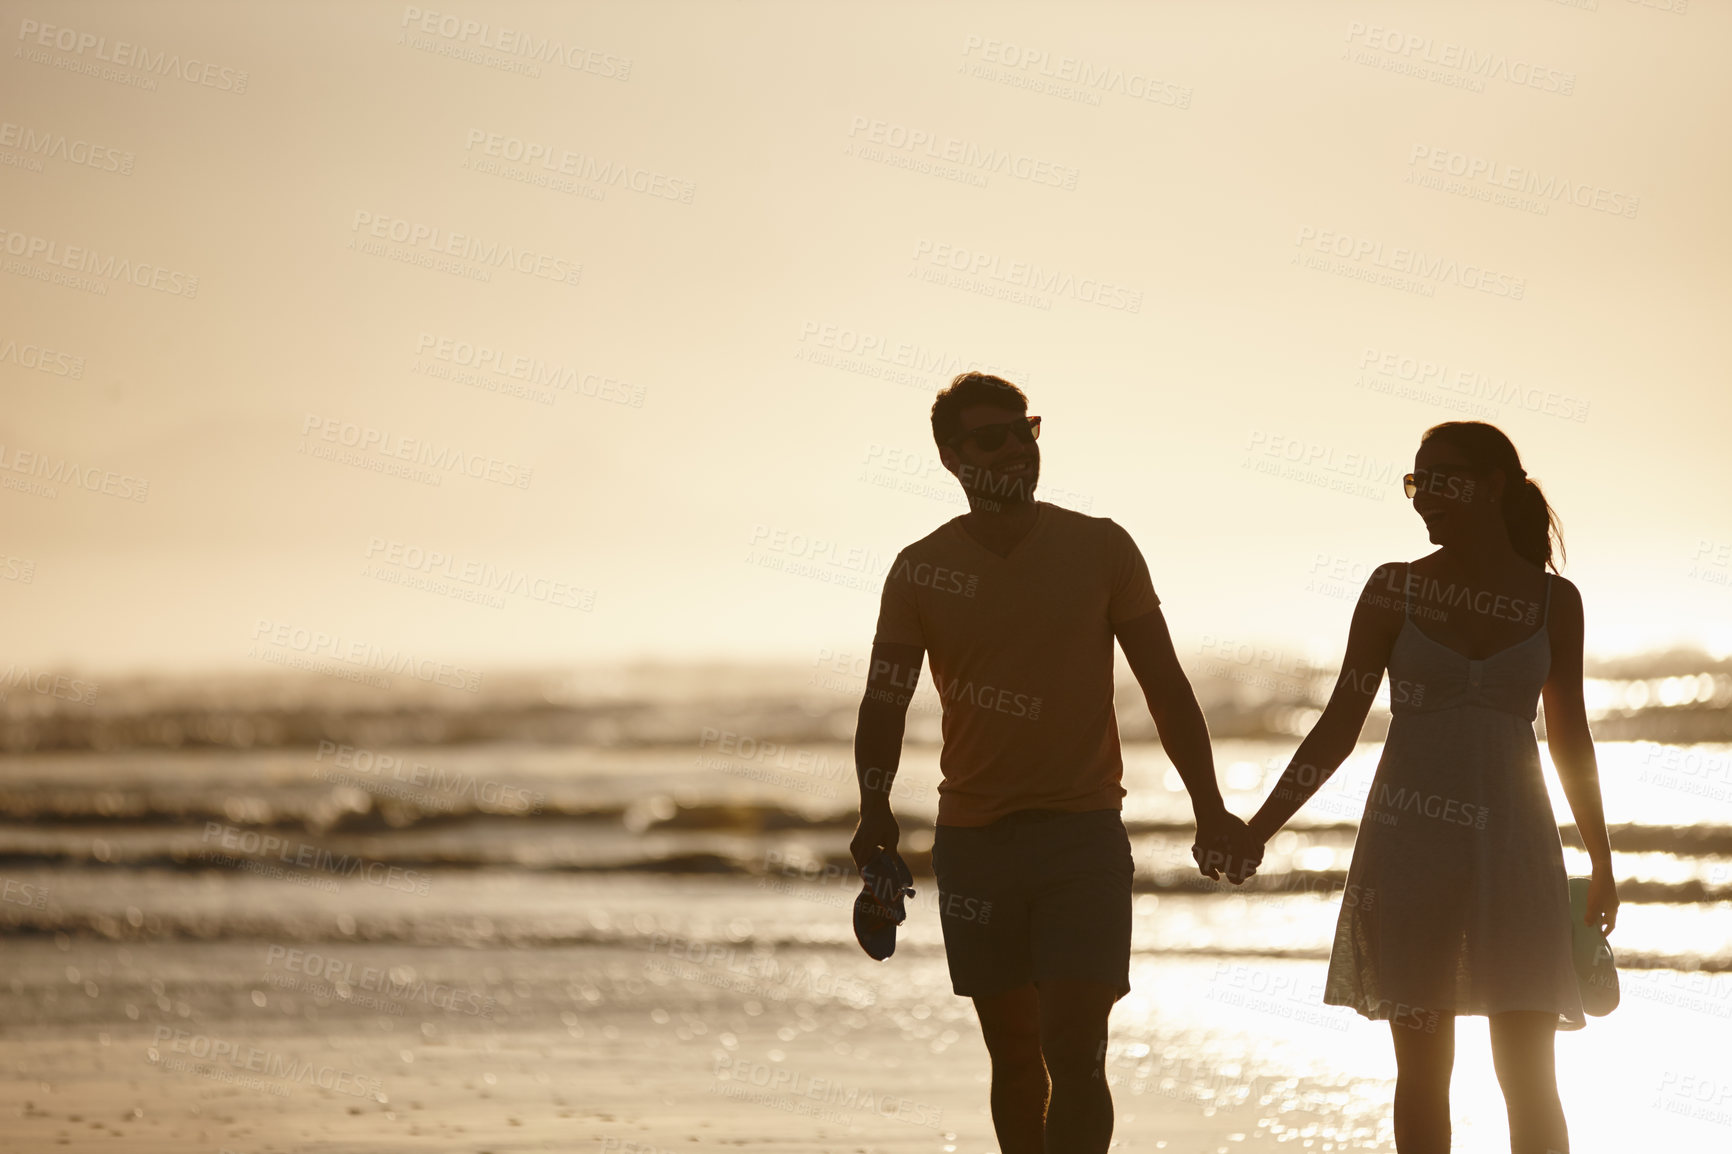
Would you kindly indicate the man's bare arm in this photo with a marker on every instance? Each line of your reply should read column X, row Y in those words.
column 890, row 684
column 1173, row 704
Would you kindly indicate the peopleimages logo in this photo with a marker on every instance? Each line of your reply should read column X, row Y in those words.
column 87, row 260
column 1480, row 66
column 1089, row 78
column 515, row 42
column 878, row 355
column 1497, row 176
column 364, row 654
column 581, row 166
column 307, row 856
column 1439, row 376
column 64, row 471
column 480, row 575
column 170, row 1041
column 128, row 55
column 972, row 157
column 398, row 983
column 366, row 439
column 366, row 765
column 1317, row 455
column 997, row 699
column 443, row 242
column 61, row 685
column 535, row 372
column 801, row 1088
column 57, row 146
column 1411, row 262
column 974, row 265
column 43, row 360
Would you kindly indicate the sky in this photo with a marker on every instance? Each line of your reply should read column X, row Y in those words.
column 517, row 335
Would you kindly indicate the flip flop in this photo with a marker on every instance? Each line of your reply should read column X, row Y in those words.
column 1596, row 972
column 878, row 910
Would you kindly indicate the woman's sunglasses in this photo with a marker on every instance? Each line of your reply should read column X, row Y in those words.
column 1437, row 481
column 990, row 437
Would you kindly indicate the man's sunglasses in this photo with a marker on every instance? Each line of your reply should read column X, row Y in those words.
column 990, row 437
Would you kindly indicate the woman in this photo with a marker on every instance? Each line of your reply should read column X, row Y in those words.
column 1458, row 899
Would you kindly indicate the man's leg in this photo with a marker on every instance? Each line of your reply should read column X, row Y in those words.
column 984, row 917
column 1011, row 1025
column 1080, row 935
column 1073, row 1040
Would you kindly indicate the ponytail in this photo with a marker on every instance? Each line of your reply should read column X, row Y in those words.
column 1531, row 522
column 1528, row 517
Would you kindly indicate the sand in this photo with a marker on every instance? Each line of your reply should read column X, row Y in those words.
column 641, row 1045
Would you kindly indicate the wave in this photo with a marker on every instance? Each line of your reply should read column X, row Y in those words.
column 262, row 925
column 338, row 810
column 793, row 867
column 309, row 809
column 638, row 706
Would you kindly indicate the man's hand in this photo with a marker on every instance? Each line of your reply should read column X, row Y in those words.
column 877, row 830
column 1225, row 844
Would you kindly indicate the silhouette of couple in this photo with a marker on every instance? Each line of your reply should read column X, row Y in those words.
column 1460, row 898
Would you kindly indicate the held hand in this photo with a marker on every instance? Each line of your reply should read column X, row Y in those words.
column 877, row 830
column 1208, row 850
column 1602, row 900
column 1246, row 854
column 1225, row 844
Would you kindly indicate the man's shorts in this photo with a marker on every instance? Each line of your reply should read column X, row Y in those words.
column 1037, row 894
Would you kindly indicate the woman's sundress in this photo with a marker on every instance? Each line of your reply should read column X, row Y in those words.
column 1456, row 898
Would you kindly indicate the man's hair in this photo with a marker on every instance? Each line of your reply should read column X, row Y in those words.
column 972, row 389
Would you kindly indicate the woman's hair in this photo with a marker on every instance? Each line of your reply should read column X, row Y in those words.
column 1530, row 520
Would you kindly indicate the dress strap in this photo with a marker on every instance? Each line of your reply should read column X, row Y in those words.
column 1406, row 590
column 1546, row 613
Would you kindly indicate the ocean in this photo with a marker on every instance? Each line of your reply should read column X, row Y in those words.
column 668, row 888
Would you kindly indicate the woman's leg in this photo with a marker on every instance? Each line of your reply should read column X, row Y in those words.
column 1521, row 1050
column 1424, row 1059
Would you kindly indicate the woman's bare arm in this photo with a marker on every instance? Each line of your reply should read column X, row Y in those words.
column 1572, row 747
column 1376, row 620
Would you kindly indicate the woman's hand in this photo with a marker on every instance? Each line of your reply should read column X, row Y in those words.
column 1225, row 844
column 1602, row 900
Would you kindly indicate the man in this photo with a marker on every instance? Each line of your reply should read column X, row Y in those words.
column 1018, row 601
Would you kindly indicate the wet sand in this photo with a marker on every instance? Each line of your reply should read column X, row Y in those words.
column 645, row 1048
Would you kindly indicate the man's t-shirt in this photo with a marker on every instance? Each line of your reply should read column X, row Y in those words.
column 1022, row 657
